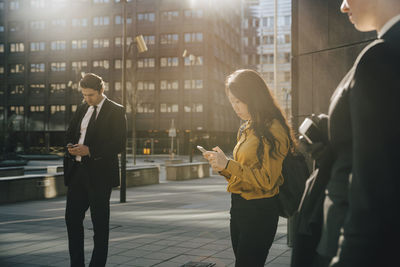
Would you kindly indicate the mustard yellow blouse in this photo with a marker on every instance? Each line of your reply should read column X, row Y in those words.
column 244, row 173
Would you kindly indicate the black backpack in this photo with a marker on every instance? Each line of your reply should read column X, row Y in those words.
column 295, row 174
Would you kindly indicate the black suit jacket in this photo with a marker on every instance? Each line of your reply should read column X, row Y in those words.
column 107, row 141
column 372, row 225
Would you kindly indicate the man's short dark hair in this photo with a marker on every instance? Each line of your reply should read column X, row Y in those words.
column 92, row 81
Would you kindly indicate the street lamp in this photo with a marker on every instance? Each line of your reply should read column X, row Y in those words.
column 141, row 46
column 193, row 60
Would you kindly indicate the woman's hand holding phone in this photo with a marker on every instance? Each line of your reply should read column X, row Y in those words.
column 217, row 158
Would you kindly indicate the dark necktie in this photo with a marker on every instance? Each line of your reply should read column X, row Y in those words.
column 90, row 127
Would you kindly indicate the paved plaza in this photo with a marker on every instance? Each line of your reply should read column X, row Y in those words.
column 167, row 224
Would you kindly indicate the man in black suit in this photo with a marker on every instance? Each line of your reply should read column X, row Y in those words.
column 371, row 230
column 95, row 137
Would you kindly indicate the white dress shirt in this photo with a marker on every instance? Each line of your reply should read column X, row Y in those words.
column 85, row 123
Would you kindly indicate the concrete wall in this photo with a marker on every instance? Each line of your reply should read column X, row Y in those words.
column 186, row 171
column 42, row 186
column 325, row 45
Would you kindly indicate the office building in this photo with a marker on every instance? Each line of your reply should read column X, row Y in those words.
column 46, row 45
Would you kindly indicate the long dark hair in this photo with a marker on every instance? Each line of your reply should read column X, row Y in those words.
column 250, row 88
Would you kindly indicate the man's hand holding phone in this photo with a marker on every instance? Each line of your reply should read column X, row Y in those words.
column 78, row 149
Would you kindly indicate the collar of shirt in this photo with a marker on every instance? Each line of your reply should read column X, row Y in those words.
column 99, row 105
column 389, row 24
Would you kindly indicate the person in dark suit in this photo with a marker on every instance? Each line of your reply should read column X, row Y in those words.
column 363, row 191
column 95, row 137
column 371, row 229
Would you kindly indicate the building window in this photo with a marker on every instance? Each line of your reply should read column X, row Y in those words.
column 14, row 4
column 118, row 86
column 79, row 44
column 58, row 66
column 79, row 22
column 38, row 3
column 194, row 107
column 1, row 69
column 118, row 41
column 146, row 17
column 168, row 108
column 145, row 108
column 268, row 59
column 16, row 89
column 1, row 28
column 36, row 89
column 169, row 15
column 18, row 110
column 15, row 26
column 169, row 39
column 193, row 13
column 118, row 64
column 1, row 5
column 38, row 25
column 36, row 108
column 193, row 37
column 58, row 45
column 146, row 85
column 268, row 40
column 56, row 108
column 16, row 47
column 284, row 57
column 38, row 46
column 16, row 68
column 193, row 84
column 58, row 23
column 286, row 76
column 169, row 85
column 169, row 62
column 269, row 77
column 105, row 64
column 118, row 19
column 149, row 39
column 193, row 61
column 57, row 88
column 1, row 48
column 101, row 1
column 78, row 65
column 287, row 39
column 101, row 43
column 37, row 67
column 145, row 63
column 268, row 22
column 101, row 21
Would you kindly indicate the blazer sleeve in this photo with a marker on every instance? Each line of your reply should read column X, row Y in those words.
column 266, row 176
column 374, row 187
column 117, row 139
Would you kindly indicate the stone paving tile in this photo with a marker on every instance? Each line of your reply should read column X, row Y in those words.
column 182, row 259
column 160, row 256
column 176, row 250
column 220, row 262
column 135, row 253
column 152, row 247
column 117, row 259
column 142, row 262
column 201, row 252
column 161, row 225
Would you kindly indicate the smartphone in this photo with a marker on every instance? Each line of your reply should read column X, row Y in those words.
column 310, row 131
column 201, row 149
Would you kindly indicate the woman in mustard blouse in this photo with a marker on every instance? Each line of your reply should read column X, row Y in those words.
column 254, row 174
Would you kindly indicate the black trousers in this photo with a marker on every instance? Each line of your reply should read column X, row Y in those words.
column 82, row 194
column 253, row 228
